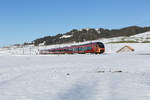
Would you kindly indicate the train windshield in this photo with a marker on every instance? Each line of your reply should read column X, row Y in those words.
column 101, row 45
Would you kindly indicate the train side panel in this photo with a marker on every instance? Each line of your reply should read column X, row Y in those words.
column 96, row 48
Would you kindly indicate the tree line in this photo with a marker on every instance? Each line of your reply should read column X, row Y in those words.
column 89, row 34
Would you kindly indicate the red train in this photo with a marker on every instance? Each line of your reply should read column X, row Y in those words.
column 96, row 48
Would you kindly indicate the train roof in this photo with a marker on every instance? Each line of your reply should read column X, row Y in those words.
column 87, row 44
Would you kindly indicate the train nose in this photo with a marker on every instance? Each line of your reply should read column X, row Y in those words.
column 102, row 50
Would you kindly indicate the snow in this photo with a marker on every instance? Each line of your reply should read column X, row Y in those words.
column 75, row 77
column 26, row 75
column 143, row 35
column 137, row 38
column 110, row 46
column 66, row 36
column 138, row 47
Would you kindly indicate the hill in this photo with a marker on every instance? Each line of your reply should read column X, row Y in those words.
column 90, row 34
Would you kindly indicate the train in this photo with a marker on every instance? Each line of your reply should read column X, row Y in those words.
column 94, row 48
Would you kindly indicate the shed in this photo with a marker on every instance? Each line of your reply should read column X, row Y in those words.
column 125, row 49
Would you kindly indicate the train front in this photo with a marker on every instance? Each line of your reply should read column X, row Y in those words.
column 101, row 48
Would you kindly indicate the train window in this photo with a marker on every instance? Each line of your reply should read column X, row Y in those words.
column 70, row 49
column 65, row 49
column 101, row 45
column 75, row 49
column 84, row 48
column 80, row 49
column 89, row 48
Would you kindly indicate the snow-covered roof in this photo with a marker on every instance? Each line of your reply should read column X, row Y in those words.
column 66, row 36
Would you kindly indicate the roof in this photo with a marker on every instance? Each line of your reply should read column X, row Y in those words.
column 125, row 49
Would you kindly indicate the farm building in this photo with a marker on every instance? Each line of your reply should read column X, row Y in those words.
column 125, row 49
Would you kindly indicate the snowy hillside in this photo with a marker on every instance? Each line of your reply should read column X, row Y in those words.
column 143, row 37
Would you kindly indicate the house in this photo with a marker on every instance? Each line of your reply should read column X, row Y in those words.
column 125, row 49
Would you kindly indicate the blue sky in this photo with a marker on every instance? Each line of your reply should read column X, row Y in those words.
column 25, row 20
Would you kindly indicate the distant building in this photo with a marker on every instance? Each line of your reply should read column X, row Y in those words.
column 125, row 49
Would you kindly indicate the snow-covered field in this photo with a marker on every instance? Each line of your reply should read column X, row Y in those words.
column 75, row 77
column 26, row 75
column 110, row 76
